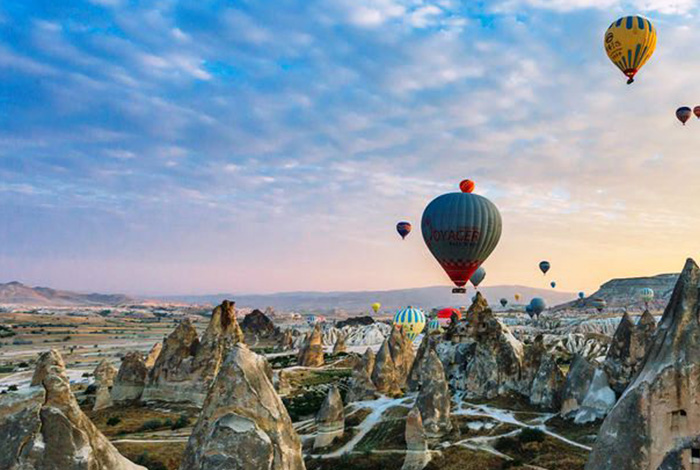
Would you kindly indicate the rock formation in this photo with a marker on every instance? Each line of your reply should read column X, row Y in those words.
column 339, row 346
column 285, row 341
column 257, row 323
column 483, row 359
column 187, row 365
column 44, row 428
column 311, row 352
column 330, row 419
column 627, row 350
column 656, row 423
column 355, row 321
column 547, row 384
column 385, row 375
column 131, row 378
column 104, row 375
column 586, row 396
column 417, row 454
column 243, row 424
column 361, row 385
column 153, row 354
column 434, row 397
column 401, row 349
column 414, row 380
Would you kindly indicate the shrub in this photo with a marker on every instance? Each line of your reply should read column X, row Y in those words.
column 151, row 425
column 113, row 420
column 531, row 435
column 151, row 464
column 182, row 422
column 12, row 388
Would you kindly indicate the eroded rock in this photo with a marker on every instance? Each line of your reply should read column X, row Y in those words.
column 330, row 419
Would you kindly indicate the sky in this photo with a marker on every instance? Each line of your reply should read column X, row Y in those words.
column 165, row 147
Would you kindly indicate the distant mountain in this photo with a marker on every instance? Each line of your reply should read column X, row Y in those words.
column 18, row 293
column 356, row 302
column 625, row 292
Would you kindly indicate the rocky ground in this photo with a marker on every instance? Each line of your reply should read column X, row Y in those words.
column 498, row 390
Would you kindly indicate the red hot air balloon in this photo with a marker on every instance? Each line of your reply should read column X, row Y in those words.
column 404, row 228
column 466, row 186
column 696, row 111
column 461, row 230
column 444, row 316
column 683, row 114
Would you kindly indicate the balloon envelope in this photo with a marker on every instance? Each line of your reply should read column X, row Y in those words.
column 466, row 186
column 529, row 311
column 599, row 304
column 461, row 230
column 478, row 276
column 404, row 228
column 376, row 306
column 683, row 114
column 629, row 42
column 444, row 316
column 553, row 284
column 544, row 266
column 581, row 295
column 517, row 297
column 647, row 294
column 435, row 326
column 504, row 302
column 538, row 305
column 411, row 320
column 696, row 111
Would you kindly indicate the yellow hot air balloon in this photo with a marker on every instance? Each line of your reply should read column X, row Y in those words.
column 376, row 306
column 412, row 320
column 629, row 42
column 517, row 297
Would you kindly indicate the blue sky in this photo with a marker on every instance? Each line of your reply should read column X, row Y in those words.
column 183, row 147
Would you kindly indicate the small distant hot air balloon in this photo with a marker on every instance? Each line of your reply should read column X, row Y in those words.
column 544, row 266
column 444, row 316
column 411, row 320
column 478, row 276
column 504, row 302
column 696, row 111
column 517, row 297
column 683, row 114
column 404, row 228
column 538, row 305
column 466, row 186
column 553, row 284
column 376, row 306
column 581, row 295
column 529, row 311
column 461, row 230
column 629, row 42
column 311, row 320
column 647, row 295
column 434, row 326
column 599, row 304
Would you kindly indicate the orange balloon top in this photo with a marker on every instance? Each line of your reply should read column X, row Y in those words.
column 467, row 186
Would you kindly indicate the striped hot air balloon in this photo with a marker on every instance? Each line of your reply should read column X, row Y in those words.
column 647, row 294
column 434, row 326
column 461, row 230
column 629, row 42
column 411, row 320
column 478, row 276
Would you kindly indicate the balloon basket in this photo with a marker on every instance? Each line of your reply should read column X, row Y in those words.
column 459, row 290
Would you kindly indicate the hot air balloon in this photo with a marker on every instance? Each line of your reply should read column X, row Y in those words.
column 517, row 297
column 629, row 42
column 461, row 230
column 444, row 316
column 553, row 284
column 376, row 306
column 647, row 295
column 581, row 295
column 411, row 320
column 404, row 228
column 683, row 114
column 529, row 311
column 599, row 304
column 466, row 186
column 434, row 326
column 544, row 266
column 538, row 305
column 311, row 320
column 478, row 276
column 504, row 302
column 696, row 111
